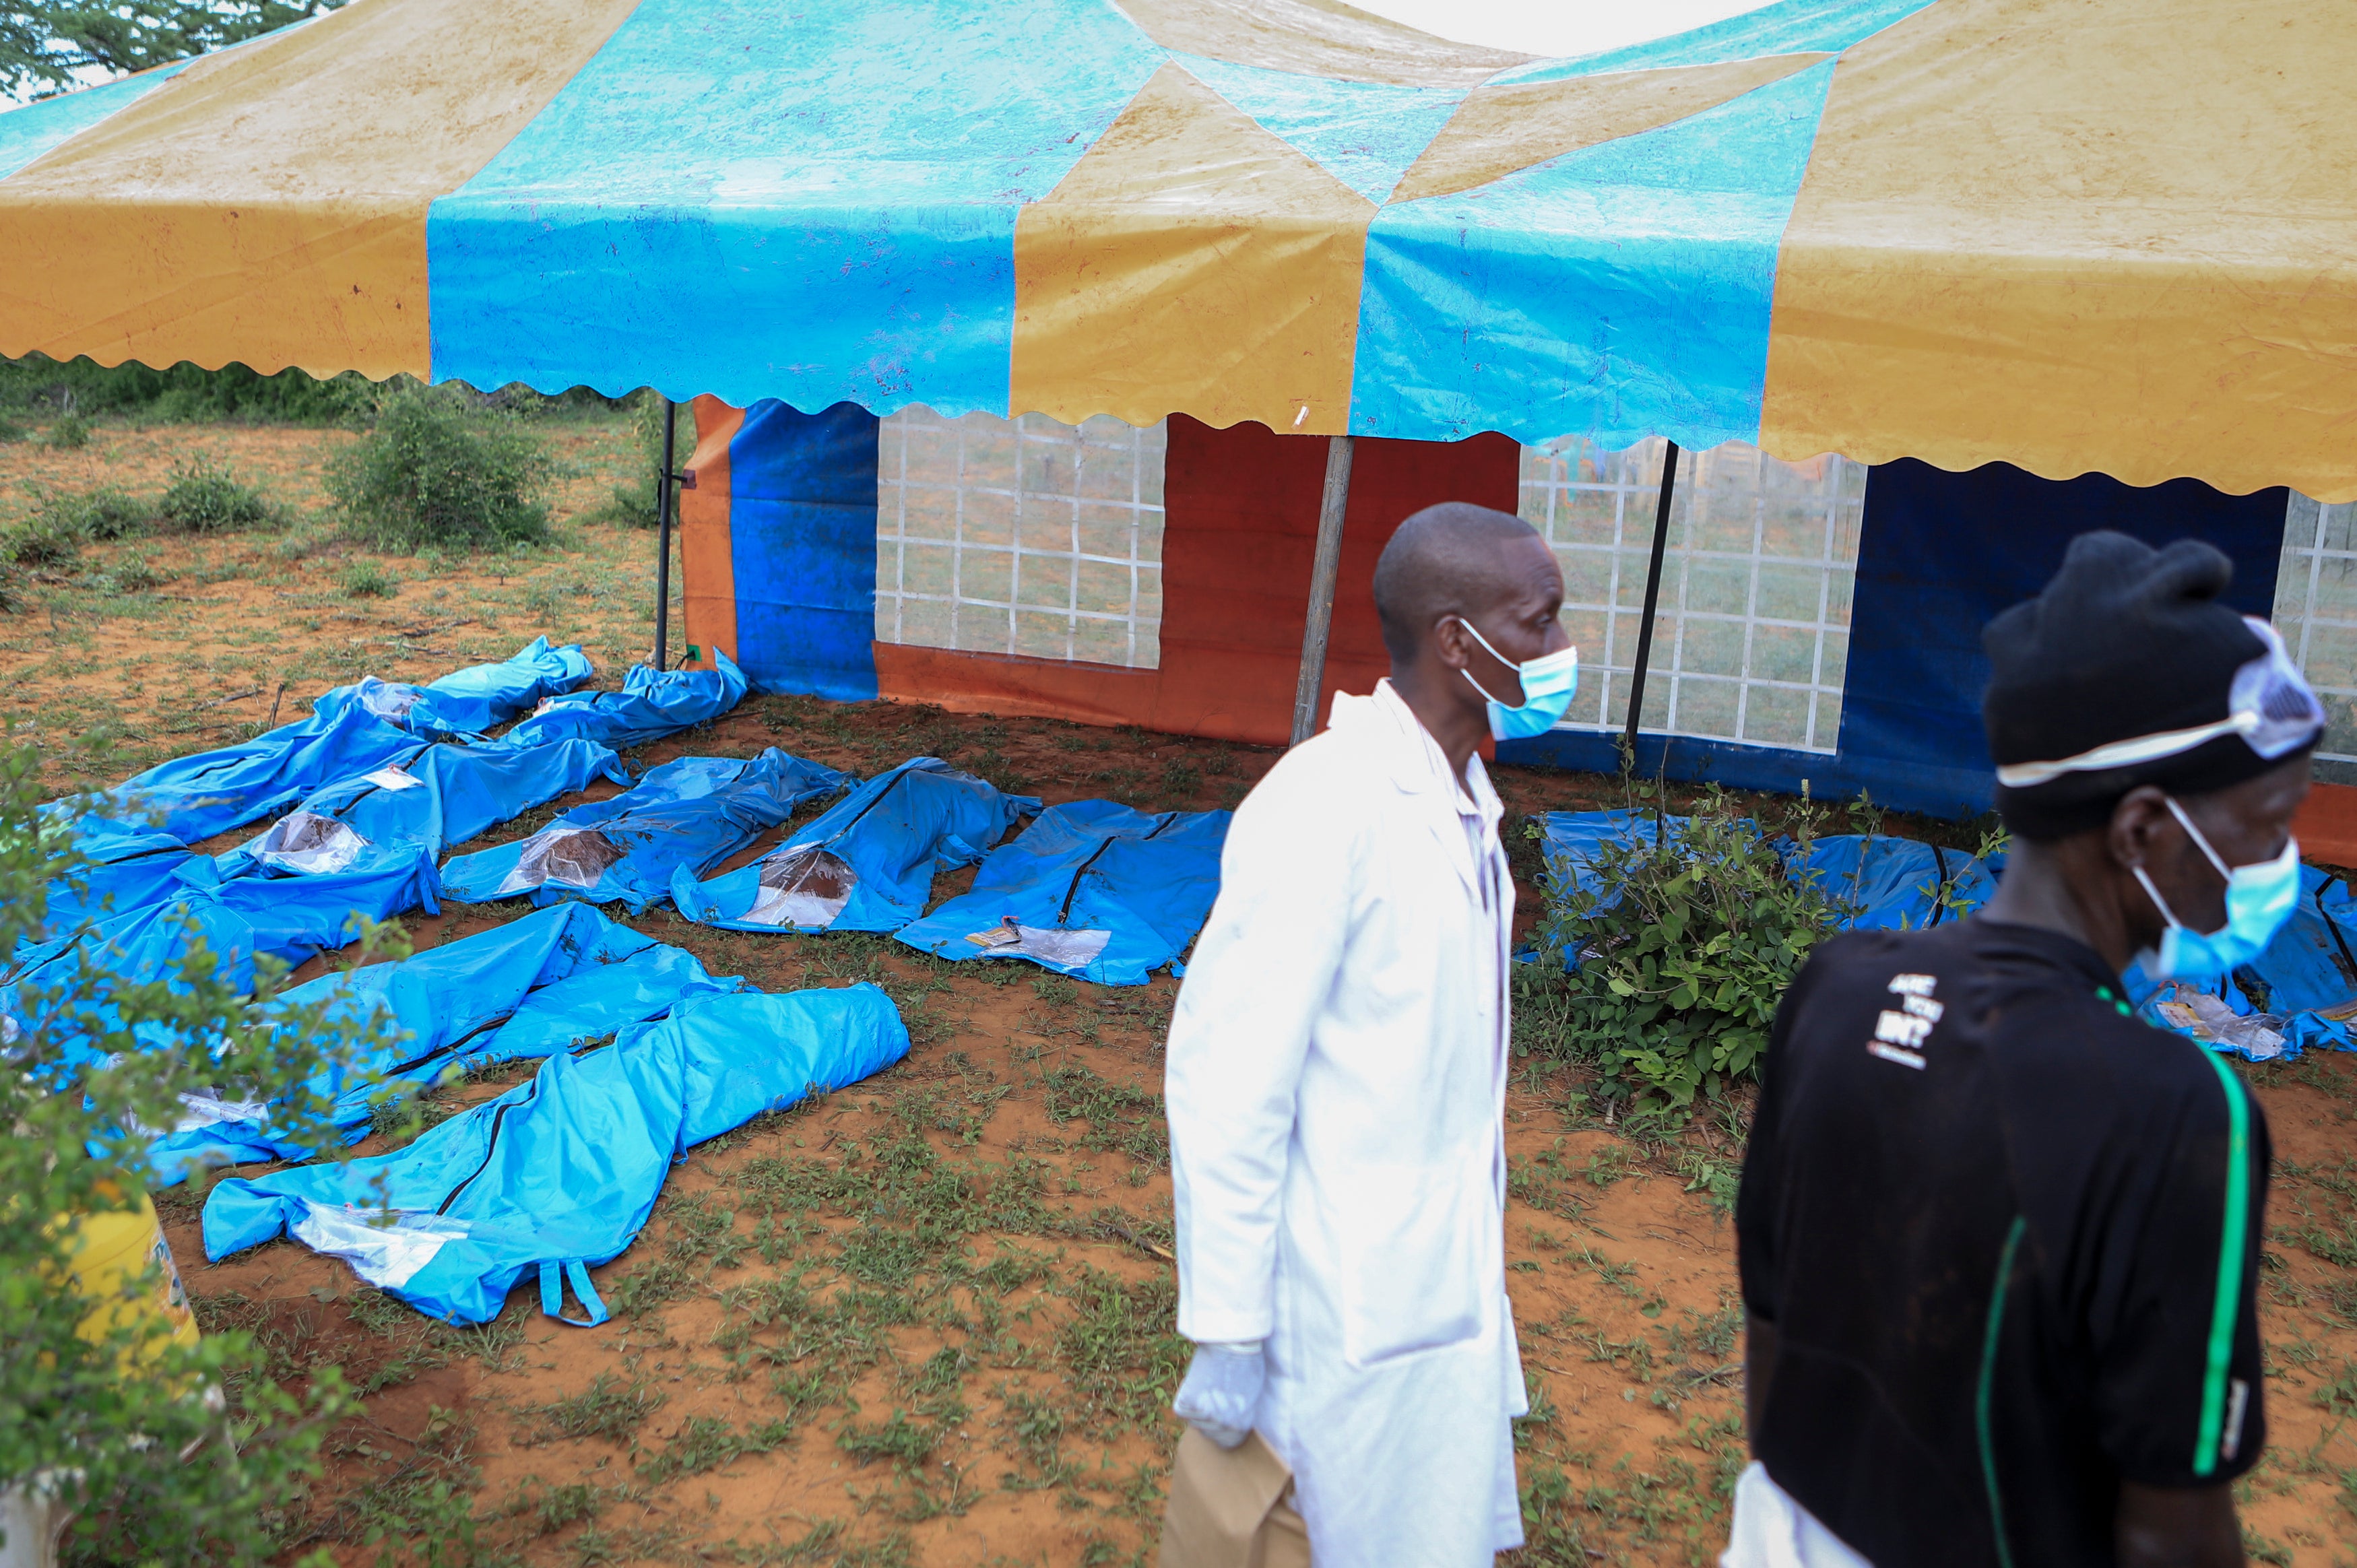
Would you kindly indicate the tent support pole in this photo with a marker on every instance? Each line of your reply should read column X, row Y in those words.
column 1653, row 603
column 1322, row 572
column 662, row 541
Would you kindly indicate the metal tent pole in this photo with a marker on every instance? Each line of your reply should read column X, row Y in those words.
column 1337, row 500
column 1653, row 601
column 662, row 542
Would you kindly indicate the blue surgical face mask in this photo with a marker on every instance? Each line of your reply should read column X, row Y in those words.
column 1548, row 684
column 2259, row 899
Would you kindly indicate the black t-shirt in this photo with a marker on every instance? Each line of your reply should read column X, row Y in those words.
column 2008, row 1237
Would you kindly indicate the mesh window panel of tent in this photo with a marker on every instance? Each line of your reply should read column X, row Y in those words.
column 1752, row 638
column 2316, row 611
column 1020, row 536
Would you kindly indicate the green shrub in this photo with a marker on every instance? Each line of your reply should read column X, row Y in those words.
column 101, row 514
column 10, row 430
column 367, row 580
column 205, row 498
column 163, row 1453
column 631, row 503
column 437, row 469
column 133, row 575
column 1688, row 936
column 41, row 539
column 69, row 432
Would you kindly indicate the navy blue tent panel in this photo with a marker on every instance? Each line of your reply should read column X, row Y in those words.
column 422, row 802
column 1093, row 889
column 651, row 705
column 688, row 814
column 552, row 981
column 868, row 863
column 1940, row 555
column 561, row 1172
column 801, row 534
column 1894, row 883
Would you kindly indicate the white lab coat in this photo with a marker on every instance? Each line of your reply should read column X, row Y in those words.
column 1336, row 1089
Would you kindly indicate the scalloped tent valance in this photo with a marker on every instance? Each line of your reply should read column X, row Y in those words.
column 2066, row 234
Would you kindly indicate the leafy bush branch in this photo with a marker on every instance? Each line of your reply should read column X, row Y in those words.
column 1683, row 938
column 160, row 1450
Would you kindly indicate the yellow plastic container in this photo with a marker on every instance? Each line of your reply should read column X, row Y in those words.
column 111, row 1255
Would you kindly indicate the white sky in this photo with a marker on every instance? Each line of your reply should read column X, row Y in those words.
column 1557, row 27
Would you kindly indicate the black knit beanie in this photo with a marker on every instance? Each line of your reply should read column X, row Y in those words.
column 2125, row 642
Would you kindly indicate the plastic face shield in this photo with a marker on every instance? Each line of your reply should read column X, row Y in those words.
column 2270, row 706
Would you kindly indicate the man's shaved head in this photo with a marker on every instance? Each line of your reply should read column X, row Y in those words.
column 1450, row 559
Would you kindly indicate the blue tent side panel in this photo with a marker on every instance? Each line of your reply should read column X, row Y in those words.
column 1939, row 556
column 801, row 534
column 688, row 814
column 651, row 705
column 895, row 832
column 562, row 1169
column 1099, row 891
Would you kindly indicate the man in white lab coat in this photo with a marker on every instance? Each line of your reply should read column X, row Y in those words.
column 1338, row 1069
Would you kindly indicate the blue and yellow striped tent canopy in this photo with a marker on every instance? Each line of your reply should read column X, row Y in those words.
column 2073, row 234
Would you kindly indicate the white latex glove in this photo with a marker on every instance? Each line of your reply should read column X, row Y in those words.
column 1221, row 1391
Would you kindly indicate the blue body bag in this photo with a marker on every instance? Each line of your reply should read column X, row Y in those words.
column 868, row 863
column 651, row 705
column 422, row 802
column 351, row 729
column 1093, row 889
column 689, row 814
column 559, row 1173
column 554, row 981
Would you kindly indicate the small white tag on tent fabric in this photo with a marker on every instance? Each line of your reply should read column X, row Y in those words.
column 393, row 779
column 1302, row 416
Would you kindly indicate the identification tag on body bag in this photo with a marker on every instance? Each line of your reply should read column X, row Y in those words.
column 1229, row 1508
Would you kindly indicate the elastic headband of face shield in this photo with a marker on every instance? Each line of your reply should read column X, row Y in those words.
column 2270, row 706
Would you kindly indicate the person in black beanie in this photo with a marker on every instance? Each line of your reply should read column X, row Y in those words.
column 1999, row 1239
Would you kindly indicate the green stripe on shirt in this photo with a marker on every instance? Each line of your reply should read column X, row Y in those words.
column 2234, row 1239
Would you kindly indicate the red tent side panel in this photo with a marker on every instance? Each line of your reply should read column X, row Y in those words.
column 1240, row 528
